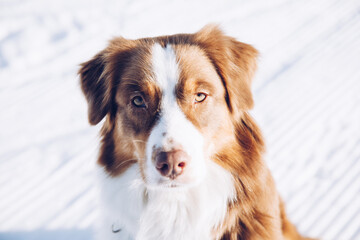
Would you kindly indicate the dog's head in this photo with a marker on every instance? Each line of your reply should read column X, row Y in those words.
column 170, row 103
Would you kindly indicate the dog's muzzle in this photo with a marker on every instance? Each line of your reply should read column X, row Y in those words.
column 171, row 164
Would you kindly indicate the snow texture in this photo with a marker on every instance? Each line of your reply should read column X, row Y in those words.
column 307, row 95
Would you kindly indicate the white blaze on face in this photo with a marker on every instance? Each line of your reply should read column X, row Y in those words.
column 173, row 128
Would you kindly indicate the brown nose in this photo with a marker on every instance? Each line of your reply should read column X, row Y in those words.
column 171, row 164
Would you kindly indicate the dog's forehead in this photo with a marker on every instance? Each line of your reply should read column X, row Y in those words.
column 165, row 68
column 182, row 66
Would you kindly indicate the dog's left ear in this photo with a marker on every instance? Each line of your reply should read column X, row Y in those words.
column 235, row 62
column 95, row 86
column 98, row 76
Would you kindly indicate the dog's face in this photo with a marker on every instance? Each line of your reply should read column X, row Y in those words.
column 170, row 102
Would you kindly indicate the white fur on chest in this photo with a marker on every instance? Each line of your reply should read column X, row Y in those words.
column 153, row 214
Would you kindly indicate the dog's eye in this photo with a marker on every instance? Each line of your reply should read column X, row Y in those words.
column 138, row 101
column 200, row 97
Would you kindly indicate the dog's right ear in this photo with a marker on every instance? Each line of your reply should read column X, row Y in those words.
column 95, row 86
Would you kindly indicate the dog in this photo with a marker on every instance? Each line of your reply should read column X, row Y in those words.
column 180, row 156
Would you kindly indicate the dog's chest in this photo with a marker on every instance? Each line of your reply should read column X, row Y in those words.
column 174, row 216
column 179, row 214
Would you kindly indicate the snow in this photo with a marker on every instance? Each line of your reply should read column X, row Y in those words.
column 306, row 93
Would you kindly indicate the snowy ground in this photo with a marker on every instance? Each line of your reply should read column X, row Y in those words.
column 307, row 94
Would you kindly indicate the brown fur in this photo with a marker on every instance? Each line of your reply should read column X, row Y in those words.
column 209, row 61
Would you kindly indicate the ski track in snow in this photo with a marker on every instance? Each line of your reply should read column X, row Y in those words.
column 307, row 95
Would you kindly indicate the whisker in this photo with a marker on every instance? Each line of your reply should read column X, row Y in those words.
column 126, row 161
column 138, row 140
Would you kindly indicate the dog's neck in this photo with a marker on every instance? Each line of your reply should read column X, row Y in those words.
column 184, row 213
column 190, row 213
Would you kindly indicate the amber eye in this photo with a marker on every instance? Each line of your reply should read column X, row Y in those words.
column 138, row 101
column 200, row 97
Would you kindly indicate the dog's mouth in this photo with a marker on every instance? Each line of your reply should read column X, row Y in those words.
column 172, row 185
column 168, row 184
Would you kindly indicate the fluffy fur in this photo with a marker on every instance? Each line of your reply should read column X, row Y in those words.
column 187, row 93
